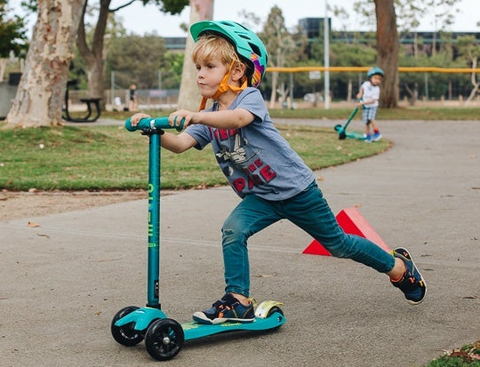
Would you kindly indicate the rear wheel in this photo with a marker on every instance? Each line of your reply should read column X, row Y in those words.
column 274, row 310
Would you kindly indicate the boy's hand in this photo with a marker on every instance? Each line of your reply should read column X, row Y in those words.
column 135, row 119
column 188, row 117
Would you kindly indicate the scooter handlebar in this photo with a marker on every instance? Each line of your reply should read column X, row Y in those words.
column 152, row 123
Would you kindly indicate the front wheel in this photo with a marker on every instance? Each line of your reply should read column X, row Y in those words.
column 125, row 334
column 164, row 339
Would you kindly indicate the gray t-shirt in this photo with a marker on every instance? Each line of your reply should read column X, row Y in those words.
column 255, row 159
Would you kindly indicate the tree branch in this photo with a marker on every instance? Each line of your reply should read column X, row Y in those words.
column 121, row 6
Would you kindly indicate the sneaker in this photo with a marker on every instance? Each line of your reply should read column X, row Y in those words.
column 376, row 136
column 368, row 138
column 412, row 283
column 227, row 309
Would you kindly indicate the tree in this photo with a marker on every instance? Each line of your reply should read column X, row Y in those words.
column 470, row 52
column 39, row 97
column 189, row 95
column 387, row 51
column 342, row 54
column 443, row 17
column 387, row 44
column 136, row 59
column 280, row 47
column 13, row 37
column 93, row 53
column 171, row 69
column 409, row 13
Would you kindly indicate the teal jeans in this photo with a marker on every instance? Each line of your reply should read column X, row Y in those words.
column 308, row 210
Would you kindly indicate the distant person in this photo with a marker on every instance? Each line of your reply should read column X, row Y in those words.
column 261, row 167
column 369, row 95
column 132, row 103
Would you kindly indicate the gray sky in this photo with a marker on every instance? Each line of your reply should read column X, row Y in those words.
column 141, row 20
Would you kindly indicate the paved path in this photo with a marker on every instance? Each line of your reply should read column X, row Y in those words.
column 62, row 282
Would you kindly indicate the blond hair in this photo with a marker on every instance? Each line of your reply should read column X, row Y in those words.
column 209, row 46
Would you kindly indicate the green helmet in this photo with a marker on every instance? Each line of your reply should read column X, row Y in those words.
column 374, row 71
column 247, row 44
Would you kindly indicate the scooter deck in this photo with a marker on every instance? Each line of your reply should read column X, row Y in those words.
column 195, row 330
column 141, row 318
column 355, row 135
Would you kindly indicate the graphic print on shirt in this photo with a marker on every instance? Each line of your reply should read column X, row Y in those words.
column 237, row 155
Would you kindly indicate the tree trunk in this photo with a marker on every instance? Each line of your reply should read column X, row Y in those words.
column 40, row 95
column 93, row 56
column 189, row 95
column 476, row 85
column 3, row 67
column 387, row 51
column 273, row 96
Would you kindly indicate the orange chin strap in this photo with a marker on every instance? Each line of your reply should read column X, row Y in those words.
column 224, row 86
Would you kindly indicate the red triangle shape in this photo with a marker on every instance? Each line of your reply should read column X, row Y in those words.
column 316, row 248
column 352, row 222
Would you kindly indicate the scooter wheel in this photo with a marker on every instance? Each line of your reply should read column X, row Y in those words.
column 280, row 317
column 125, row 334
column 338, row 127
column 273, row 310
column 164, row 339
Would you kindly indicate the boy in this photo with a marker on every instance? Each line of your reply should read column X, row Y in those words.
column 272, row 180
column 369, row 95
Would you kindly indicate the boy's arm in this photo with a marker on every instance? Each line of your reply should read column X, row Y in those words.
column 177, row 143
column 173, row 142
column 360, row 93
column 365, row 103
column 225, row 119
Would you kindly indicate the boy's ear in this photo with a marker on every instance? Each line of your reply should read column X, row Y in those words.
column 238, row 71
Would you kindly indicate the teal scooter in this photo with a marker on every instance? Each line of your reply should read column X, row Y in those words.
column 164, row 337
column 342, row 130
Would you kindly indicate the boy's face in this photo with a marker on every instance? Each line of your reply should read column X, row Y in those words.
column 376, row 79
column 209, row 75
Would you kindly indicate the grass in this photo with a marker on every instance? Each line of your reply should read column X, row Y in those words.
column 467, row 356
column 408, row 113
column 111, row 158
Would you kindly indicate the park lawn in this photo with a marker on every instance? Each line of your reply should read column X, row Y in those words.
column 342, row 113
column 111, row 158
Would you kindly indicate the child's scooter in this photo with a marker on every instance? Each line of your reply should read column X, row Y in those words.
column 342, row 130
column 164, row 337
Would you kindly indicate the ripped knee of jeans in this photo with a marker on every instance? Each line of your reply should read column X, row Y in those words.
column 231, row 236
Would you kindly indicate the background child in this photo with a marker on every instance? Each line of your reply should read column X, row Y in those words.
column 370, row 94
column 272, row 180
column 132, row 102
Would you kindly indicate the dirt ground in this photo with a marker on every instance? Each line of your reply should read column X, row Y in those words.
column 16, row 205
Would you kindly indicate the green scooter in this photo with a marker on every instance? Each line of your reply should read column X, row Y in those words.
column 164, row 337
column 342, row 130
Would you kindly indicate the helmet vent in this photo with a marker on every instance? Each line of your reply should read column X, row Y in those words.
column 255, row 49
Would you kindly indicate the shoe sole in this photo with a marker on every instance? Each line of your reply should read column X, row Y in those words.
column 202, row 319
column 414, row 303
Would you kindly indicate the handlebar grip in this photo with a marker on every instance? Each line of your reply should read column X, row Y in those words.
column 151, row 123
